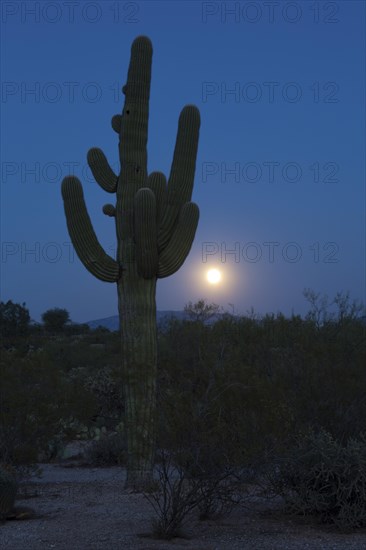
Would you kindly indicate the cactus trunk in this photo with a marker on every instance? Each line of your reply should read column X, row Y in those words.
column 137, row 311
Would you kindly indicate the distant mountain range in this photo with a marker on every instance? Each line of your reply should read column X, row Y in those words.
column 112, row 323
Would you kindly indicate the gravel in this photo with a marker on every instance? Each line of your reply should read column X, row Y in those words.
column 88, row 508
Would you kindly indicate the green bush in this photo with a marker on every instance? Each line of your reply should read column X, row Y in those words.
column 320, row 476
column 235, row 411
column 36, row 404
column 105, row 385
column 251, row 382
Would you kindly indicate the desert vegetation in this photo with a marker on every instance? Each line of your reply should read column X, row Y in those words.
column 276, row 400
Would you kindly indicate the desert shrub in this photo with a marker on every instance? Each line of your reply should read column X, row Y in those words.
column 219, row 495
column 182, row 491
column 105, row 385
column 322, row 477
column 233, row 393
column 173, row 497
column 223, row 413
column 247, row 384
column 71, row 352
column 322, row 375
column 36, row 401
column 109, row 450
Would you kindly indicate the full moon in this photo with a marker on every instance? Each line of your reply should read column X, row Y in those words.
column 213, row 276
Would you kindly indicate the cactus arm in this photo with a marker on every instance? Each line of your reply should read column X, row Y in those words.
column 180, row 184
column 82, row 233
column 184, row 160
column 145, row 233
column 102, row 172
column 157, row 183
column 173, row 256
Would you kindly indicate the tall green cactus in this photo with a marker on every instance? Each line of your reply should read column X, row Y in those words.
column 155, row 226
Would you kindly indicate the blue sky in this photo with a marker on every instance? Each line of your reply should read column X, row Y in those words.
column 280, row 178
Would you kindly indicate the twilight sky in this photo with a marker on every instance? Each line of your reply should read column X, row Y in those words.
column 280, row 177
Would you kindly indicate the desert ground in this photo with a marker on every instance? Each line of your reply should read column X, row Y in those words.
column 81, row 507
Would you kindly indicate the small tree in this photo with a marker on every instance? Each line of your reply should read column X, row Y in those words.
column 14, row 321
column 55, row 319
column 201, row 311
column 319, row 305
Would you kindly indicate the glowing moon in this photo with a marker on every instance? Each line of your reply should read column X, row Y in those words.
column 213, row 276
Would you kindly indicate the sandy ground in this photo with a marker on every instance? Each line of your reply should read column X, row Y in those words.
column 88, row 508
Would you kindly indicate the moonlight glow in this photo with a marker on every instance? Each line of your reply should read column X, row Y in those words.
column 213, row 276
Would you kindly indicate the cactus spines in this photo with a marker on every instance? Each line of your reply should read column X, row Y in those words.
column 155, row 227
column 8, row 490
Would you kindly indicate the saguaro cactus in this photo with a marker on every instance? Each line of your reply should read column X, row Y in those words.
column 155, row 226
